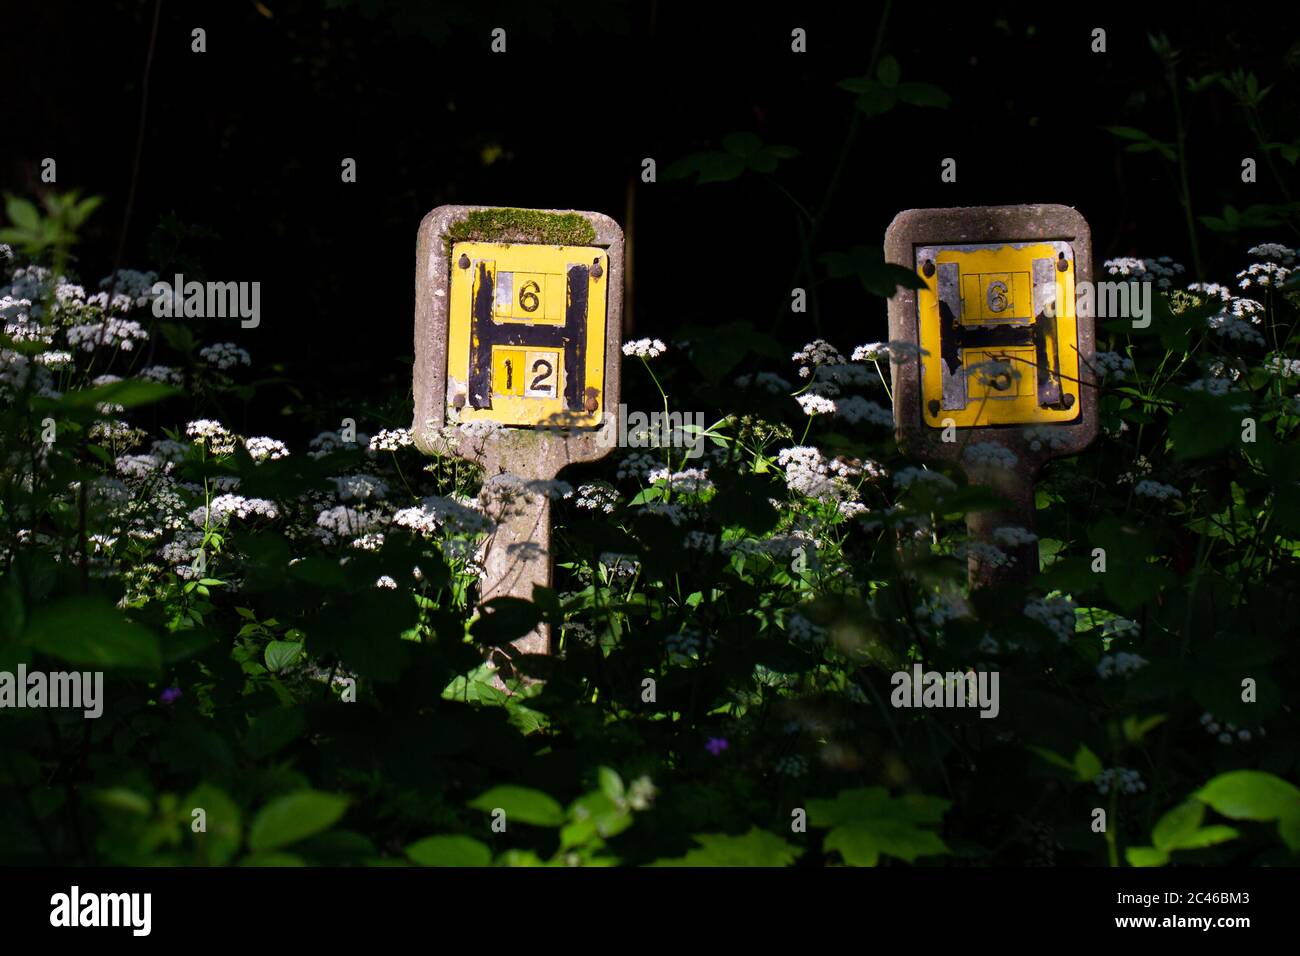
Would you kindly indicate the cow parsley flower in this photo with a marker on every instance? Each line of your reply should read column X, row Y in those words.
column 1054, row 613
column 855, row 409
column 1120, row 664
column 263, row 449
column 906, row 477
column 213, row 435
column 1119, row 779
column 987, row 454
column 391, row 439
column 1157, row 490
column 224, row 355
column 817, row 352
column 645, row 348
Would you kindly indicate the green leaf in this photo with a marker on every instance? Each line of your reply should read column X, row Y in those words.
column 1251, row 795
column 1145, row 856
column 522, row 805
column 889, row 72
column 923, row 94
column 1052, row 757
column 755, row 848
column 219, row 842
column 282, row 654
column 866, row 823
column 89, row 630
column 22, row 213
column 1177, row 824
column 449, row 851
column 1136, row 728
column 1086, row 764
column 295, row 817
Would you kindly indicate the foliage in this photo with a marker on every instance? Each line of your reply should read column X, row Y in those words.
column 293, row 648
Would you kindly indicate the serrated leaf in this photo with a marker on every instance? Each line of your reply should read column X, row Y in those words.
column 755, row 848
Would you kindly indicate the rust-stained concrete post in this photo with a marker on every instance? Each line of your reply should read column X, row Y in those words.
column 518, row 335
column 1003, row 360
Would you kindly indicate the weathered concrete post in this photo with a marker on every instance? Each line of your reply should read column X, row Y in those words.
column 1005, row 367
column 518, row 335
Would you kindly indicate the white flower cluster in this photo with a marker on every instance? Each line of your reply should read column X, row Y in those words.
column 214, row 435
column 161, row 373
column 1265, row 274
column 224, row 355
column 672, row 511
column 391, row 439
column 436, row 512
column 1141, row 466
column 1111, row 365
column 1274, row 252
column 1013, row 536
column 814, row 404
column 1054, row 613
column 645, row 348
column 135, row 286
column 140, row 467
column 1157, row 490
column 1162, row 269
column 342, row 521
column 803, row 631
column 1211, row 290
column 1120, row 664
column 328, row 442
column 1226, row 732
column 1283, row 367
column 638, row 465
column 1044, row 436
column 769, row 382
column 110, row 333
column 897, row 351
column 224, row 507
column 906, row 477
column 1211, row 386
column 700, row 541
column 987, row 454
column 807, row 472
column 1119, row 779
column 360, row 488
column 855, row 409
column 936, row 610
column 817, row 352
column 1235, row 329
column 619, row 565
column 263, row 449
column 691, row 481
column 596, row 497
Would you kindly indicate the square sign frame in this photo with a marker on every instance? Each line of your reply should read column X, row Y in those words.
column 454, row 241
column 973, row 234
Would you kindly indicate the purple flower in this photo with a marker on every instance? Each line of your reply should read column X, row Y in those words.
column 715, row 745
column 170, row 695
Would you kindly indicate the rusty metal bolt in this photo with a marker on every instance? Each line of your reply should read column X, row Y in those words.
column 934, row 406
column 596, row 270
column 458, row 400
column 1061, row 264
column 464, row 261
column 928, row 268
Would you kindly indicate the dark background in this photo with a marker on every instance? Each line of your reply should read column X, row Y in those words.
column 239, row 169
